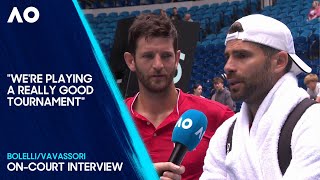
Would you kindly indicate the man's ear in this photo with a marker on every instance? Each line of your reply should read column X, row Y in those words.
column 128, row 57
column 177, row 58
column 281, row 61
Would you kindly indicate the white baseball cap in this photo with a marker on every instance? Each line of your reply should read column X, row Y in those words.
column 270, row 32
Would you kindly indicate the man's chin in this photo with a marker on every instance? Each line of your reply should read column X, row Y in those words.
column 158, row 89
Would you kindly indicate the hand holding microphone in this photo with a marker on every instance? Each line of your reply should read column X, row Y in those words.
column 186, row 135
column 171, row 171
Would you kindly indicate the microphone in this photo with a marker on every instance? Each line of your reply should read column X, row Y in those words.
column 187, row 134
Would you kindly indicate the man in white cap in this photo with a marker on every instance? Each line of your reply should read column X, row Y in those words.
column 261, row 67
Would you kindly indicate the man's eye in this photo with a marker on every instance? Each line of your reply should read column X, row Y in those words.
column 241, row 55
column 166, row 56
column 148, row 56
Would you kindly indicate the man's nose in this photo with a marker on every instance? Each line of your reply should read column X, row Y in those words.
column 157, row 64
column 229, row 66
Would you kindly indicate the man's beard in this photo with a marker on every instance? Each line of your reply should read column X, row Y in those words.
column 153, row 86
column 257, row 86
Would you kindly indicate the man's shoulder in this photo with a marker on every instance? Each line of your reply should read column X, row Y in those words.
column 202, row 103
column 193, row 99
column 310, row 118
column 312, row 112
column 129, row 100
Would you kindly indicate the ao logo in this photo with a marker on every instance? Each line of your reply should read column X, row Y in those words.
column 15, row 14
column 187, row 124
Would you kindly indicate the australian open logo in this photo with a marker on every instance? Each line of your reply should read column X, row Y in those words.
column 30, row 15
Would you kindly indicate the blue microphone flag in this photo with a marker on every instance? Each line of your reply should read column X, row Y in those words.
column 190, row 128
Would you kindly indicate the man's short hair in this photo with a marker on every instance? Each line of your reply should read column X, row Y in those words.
column 151, row 26
column 310, row 78
column 218, row 80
